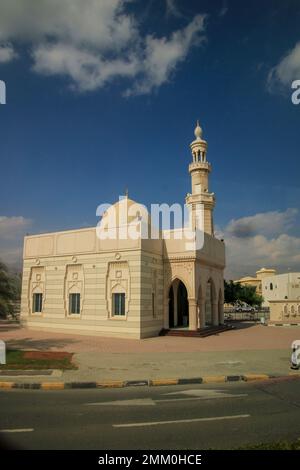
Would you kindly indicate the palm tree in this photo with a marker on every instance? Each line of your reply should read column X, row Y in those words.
column 10, row 291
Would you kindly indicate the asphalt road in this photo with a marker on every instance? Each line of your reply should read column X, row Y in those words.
column 171, row 417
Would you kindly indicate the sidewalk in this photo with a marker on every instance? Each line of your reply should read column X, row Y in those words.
column 251, row 349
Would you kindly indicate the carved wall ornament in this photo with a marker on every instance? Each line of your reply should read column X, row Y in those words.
column 117, row 280
column 73, row 284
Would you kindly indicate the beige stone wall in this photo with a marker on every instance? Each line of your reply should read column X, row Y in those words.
column 96, row 279
column 152, row 290
column 284, row 311
column 61, row 263
column 73, row 242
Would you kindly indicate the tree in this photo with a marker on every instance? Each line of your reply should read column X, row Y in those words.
column 10, row 291
column 248, row 294
column 236, row 292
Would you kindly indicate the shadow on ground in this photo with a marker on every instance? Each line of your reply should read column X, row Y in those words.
column 241, row 325
column 39, row 344
column 9, row 326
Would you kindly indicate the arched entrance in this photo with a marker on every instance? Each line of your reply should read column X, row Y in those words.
column 208, row 303
column 178, row 305
column 221, row 308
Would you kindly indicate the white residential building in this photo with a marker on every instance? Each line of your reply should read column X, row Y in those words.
column 281, row 287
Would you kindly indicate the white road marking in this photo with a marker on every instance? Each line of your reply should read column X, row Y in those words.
column 207, row 394
column 17, row 430
column 231, row 363
column 133, row 402
column 195, row 394
column 179, row 421
column 203, row 398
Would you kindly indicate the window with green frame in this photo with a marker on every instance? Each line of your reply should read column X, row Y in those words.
column 37, row 303
column 74, row 304
column 118, row 302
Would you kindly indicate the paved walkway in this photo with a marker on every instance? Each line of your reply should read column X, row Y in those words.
column 248, row 349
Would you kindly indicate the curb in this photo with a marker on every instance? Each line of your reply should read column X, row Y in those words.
column 138, row 383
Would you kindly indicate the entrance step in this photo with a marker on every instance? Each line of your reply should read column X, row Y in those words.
column 208, row 331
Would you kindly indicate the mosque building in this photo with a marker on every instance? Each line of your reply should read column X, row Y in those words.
column 78, row 282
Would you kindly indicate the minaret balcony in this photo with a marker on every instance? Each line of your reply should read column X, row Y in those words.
column 194, row 166
column 205, row 198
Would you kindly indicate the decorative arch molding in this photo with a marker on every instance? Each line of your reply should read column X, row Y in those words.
column 118, row 288
column 206, row 277
column 73, row 284
column 209, row 310
column 178, row 304
column 184, row 271
column 221, row 295
column 36, row 285
column 221, row 306
column 117, row 281
column 180, row 279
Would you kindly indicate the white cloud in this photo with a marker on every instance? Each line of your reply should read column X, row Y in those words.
column 162, row 55
column 87, row 70
column 94, row 42
column 12, row 257
column 7, row 53
column 267, row 223
column 223, row 11
column 172, row 8
column 12, row 231
column 11, row 227
column 259, row 241
column 102, row 24
column 287, row 70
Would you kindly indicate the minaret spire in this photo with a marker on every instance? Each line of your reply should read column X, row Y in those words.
column 198, row 131
column 199, row 170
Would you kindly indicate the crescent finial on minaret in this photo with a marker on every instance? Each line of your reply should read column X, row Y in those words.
column 198, row 131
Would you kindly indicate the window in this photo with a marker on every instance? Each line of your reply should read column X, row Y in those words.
column 37, row 303
column 153, row 304
column 119, row 304
column 292, row 309
column 271, row 286
column 197, row 188
column 74, row 304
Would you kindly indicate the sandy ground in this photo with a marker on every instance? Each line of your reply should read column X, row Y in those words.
column 246, row 336
column 250, row 349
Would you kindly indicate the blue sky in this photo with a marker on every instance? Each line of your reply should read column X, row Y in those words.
column 105, row 95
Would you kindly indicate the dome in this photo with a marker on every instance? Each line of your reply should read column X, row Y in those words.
column 247, row 278
column 126, row 211
column 266, row 270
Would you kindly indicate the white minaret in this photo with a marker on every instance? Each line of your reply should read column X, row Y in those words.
column 199, row 170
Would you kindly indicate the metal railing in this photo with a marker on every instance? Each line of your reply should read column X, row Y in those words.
column 262, row 315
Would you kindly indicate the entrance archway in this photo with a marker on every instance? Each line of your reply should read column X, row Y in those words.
column 221, row 308
column 178, row 305
column 171, row 308
column 208, row 304
column 211, row 304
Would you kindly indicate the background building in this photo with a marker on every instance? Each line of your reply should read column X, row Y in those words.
column 261, row 274
column 281, row 286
